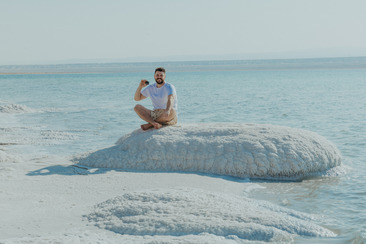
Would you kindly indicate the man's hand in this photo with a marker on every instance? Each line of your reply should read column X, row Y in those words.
column 143, row 83
column 167, row 113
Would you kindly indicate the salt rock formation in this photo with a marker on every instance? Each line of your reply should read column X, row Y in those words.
column 239, row 150
column 194, row 212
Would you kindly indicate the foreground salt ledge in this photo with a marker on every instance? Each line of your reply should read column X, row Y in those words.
column 183, row 212
column 240, row 150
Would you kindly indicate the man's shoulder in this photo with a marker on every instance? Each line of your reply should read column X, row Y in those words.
column 169, row 85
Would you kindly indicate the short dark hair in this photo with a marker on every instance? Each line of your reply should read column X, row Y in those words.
column 160, row 69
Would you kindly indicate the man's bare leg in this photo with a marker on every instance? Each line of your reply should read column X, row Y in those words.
column 145, row 114
column 146, row 126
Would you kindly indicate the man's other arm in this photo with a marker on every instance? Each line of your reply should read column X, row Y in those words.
column 169, row 104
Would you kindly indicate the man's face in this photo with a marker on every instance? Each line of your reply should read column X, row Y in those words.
column 159, row 77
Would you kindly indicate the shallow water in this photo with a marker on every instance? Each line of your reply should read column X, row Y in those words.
column 67, row 114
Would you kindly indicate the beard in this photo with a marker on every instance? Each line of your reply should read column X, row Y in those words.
column 159, row 81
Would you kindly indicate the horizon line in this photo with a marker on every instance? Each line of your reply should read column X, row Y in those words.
column 106, row 61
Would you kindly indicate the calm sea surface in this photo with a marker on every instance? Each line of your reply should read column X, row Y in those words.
column 65, row 114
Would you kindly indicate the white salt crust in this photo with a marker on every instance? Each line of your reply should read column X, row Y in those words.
column 239, row 150
column 193, row 212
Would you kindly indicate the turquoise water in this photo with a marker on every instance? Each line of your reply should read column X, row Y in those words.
column 90, row 111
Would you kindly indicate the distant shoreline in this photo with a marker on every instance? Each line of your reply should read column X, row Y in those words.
column 189, row 66
column 75, row 73
column 49, row 73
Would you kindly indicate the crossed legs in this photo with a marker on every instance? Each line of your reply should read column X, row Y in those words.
column 145, row 114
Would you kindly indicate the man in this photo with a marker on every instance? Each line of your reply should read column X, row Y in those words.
column 164, row 99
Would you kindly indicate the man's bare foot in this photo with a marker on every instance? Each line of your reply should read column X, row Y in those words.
column 157, row 125
column 146, row 126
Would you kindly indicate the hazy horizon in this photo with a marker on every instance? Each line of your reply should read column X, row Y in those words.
column 340, row 63
column 193, row 58
column 50, row 32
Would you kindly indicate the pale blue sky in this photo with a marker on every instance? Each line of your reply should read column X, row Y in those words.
column 46, row 31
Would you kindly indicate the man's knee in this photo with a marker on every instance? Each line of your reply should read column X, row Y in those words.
column 138, row 107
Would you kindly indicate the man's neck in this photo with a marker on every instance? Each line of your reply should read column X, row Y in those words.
column 160, row 85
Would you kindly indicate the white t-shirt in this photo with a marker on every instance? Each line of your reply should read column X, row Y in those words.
column 159, row 96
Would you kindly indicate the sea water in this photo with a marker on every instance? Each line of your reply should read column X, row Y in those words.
column 67, row 114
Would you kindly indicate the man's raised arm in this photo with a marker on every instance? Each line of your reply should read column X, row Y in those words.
column 138, row 95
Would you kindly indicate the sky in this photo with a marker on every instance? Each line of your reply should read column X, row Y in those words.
column 62, row 31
